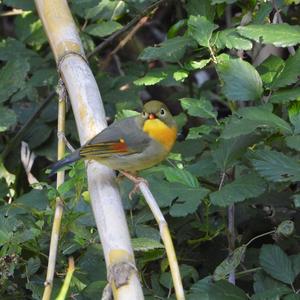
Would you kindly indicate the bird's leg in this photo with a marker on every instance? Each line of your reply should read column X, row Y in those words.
column 136, row 180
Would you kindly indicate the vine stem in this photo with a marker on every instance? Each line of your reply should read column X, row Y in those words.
column 59, row 205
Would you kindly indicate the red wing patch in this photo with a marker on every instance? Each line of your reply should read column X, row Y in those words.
column 105, row 149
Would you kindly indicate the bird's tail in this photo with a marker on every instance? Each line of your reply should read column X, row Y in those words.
column 74, row 156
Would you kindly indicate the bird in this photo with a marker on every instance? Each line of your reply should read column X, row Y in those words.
column 131, row 144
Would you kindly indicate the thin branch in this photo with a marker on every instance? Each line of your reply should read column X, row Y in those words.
column 64, row 290
column 18, row 137
column 118, row 33
column 126, row 39
column 59, row 206
column 164, row 233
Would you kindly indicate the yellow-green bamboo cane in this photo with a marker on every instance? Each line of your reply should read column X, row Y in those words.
column 59, row 203
column 90, row 119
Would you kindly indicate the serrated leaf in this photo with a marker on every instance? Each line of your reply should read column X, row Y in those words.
column 293, row 142
column 276, row 166
column 245, row 187
column 33, row 265
column 230, row 263
column 286, row 228
column 197, row 65
column 271, row 294
column 201, row 29
column 103, row 29
column 198, row 107
column 180, row 75
column 188, row 205
column 202, row 8
column 269, row 68
column 285, row 96
column 180, row 175
column 296, row 263
column 126, row 113
column 241, row 81
column 12, row 77
column 248, row 119
column 8, row 118
column 290, row 73
column 294, row 115
column 171, row 50
column 280, row 35
column 197, row 132
column 276, row 263
column 145, row 244
column 230, row 39
column 152, row 77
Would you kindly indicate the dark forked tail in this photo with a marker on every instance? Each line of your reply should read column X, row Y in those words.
column 74, row 156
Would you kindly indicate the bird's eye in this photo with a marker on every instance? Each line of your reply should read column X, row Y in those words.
column 144, row 115
column 162, row 112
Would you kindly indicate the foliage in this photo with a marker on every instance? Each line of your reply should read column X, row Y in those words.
column 229, row 71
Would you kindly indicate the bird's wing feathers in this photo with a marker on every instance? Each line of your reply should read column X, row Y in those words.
column 122, row 137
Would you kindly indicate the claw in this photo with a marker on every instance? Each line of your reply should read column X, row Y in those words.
column 136, row 180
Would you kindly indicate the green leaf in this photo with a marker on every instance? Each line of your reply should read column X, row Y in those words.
column 269, row 68
column 284, row 96
column 271, row 294
column 247, row 119
column 222, row 1
column 244, row 187
column 196, row 65
column 228, row 151
column 126, row 113
column 198, row 107
column 202, row 8
column 25, row 5
column 103, row 29
column 12, row 77
column 292, row 297
column 230, row 39
column 289, row 74
column 294, row 115
column 33, row 265
column 187, row 205
column 201, row 29
column 280, row 35
column 296, row 263
column 181, row 176
column 36, row 199
column 276, row 166
column 230, row 263
column 241, row 81
column 293, row 142
column 276, row 263
column 197, row 132
column 207, row 290
column 145, row 244
column 152, row 77
column 171, row 50
column 8, row 118
column 285, row 228
column 180, row 75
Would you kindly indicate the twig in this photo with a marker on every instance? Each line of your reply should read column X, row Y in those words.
column 64, row 290
column 17, row 138
column 59, row 202
column 118, row 33
column 126, row 39
column 278, row 19
column 166, row 238
column 231, row 238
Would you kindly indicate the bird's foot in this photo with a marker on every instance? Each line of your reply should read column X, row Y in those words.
column 136, row 180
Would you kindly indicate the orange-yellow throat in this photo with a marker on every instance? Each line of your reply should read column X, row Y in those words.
column 160, row 132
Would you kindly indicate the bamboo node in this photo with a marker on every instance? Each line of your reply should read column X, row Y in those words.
column 120, row 273
column 63, row 57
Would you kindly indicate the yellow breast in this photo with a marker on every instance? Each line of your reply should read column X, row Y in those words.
column 160, row 132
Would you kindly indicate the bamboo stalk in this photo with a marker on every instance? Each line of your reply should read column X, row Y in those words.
column 59, row 206
column 90, row 119
column 166, row 238
column 64, row 290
